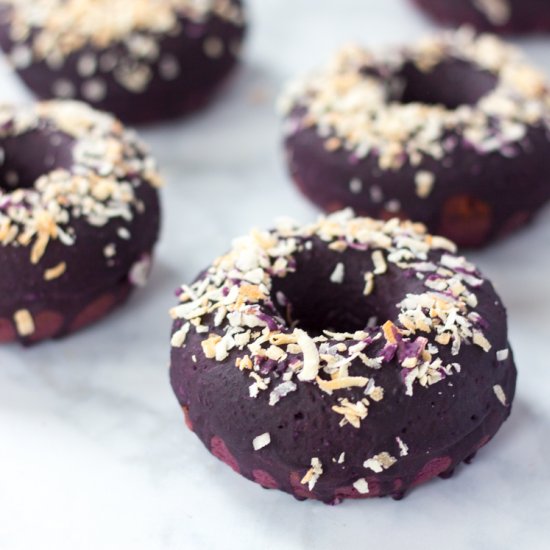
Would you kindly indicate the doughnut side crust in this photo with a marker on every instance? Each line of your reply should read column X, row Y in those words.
column 78, row 220
column 384, row 420
column 451, row 132
column 166, row 64
column 501, row 16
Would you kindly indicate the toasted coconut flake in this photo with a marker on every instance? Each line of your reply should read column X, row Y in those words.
column 329, row 386
column 480, row 340
column 24, row 322
column 313, row 474
column 369, row 283
column 55, row 272
column 380, row 266
column 338, row 274
column 424, row 183
column 282, row 390
column 309, row 349
column 403, row 448
column 179, row 337
column 390, row 330
column 501, row 396
column 352, row 413
column 209, row 346
column 503, row 354
column 380, row 462
column 261, row 441
column 361, row 486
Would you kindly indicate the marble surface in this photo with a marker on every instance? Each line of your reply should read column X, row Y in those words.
column 93, row 450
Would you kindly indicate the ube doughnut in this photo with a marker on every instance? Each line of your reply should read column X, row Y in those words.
column 79, row 218
column 451, row 132
column 349, row 358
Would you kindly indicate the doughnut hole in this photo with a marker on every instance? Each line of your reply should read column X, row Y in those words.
column 309, row 299
column 306, row 300
column 25, row 158
column 451, row 83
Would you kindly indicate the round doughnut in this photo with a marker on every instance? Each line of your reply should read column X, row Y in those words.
column 349, row 358
column 502, row 16
column 79, row 217
column 451, row 132
column 144, row 60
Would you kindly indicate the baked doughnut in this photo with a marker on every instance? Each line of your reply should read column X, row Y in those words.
column 79, row 216
column 503, row 16
column 144, row 60
column 451, row 132
column 345, row 359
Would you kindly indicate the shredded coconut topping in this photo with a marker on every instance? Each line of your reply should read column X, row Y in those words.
column 63, row 26
column 51, row 30
column 353, row 105
column 231, row 308
column 313, row 474
column 108, row 164
column 380, row 462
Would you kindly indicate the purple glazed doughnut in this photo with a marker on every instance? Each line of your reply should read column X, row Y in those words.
column 502, row 16
column 350, row 358
column 451, row 132
column 144, row 60
column 79, row 217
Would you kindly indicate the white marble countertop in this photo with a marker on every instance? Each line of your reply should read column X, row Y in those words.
column 93, row 450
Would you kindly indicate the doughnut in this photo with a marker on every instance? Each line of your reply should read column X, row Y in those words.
column 349, row 358
column 451, row 132
column 144, row 60
column 79, row 217
column 502, row 16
